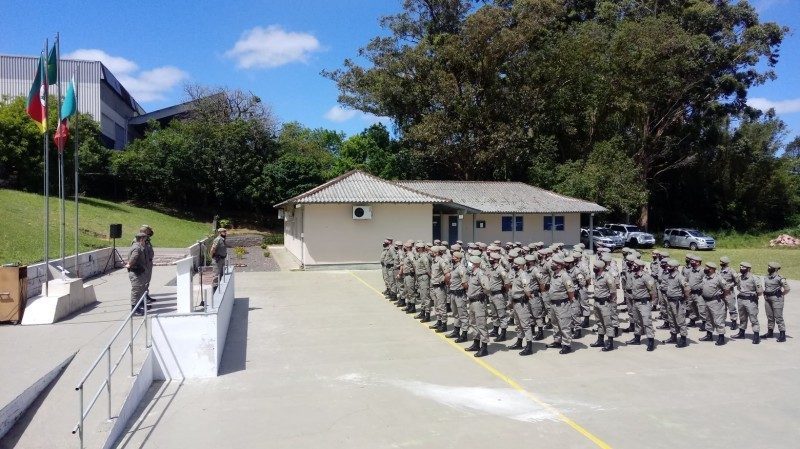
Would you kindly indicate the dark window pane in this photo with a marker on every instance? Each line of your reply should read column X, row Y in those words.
column 506, row 222
column 559, row 222
column 518, row 224
column 548, row 223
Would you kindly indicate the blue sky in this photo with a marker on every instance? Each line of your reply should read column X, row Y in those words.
column 276, row 49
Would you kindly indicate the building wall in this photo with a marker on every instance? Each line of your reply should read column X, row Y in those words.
column 331, row 236
column 532, row 229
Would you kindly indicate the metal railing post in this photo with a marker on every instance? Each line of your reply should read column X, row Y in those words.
column 130, row 343
column 108, row 381
column 80, row 416
column 146, row 328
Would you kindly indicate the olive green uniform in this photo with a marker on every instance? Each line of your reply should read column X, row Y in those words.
column 539, row 281
column 675, row 290
column 642, row 287
column 605, row 293
column 458, row 297
column 775, row 287
column 477, row 308
column 497, row 279
column 422, row 269
column 518, row 295
column 137, row 272
column 438, row 269
column 750, row 288
column 561, row 309
column 219, row 252
column 730, row 299
column 697, row 304
column 713, row 288
column 409, row 281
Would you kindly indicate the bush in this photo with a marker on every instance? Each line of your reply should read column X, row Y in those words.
column 239, row 251
column 273, row 239
column 224, row 223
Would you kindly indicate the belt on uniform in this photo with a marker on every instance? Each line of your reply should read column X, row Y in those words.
column 424, row 275
column 458, row 292
column 601, row 301
column 497, row 292
column 558, row 301
column 437, row 285
column 519, row 300
column 474, row 299
column 712, row 298
column 675, row 298
column 748, row 295
column 697, row 291
column 642, row 301
column 408, row 274
column 773, row 295
column 389, row 265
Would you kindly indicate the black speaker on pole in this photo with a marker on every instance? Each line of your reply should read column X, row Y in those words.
column 115, row 231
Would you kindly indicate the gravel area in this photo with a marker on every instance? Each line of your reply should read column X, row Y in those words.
column 254, row 260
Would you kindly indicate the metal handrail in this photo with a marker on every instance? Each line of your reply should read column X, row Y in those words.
column 111, row 368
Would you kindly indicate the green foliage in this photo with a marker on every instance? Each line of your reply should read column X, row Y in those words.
column 273, row 239
column 239, row 252
column 224, row 223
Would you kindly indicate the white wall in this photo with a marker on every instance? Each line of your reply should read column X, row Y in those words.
column 90, row 263
column 532, row 229
column 292, row 229
column 332, row 236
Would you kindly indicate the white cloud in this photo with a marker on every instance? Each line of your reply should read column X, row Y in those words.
column 272, row 47
column 764, row 5
column 144, row 85
column 780, row 106
column 339, row 114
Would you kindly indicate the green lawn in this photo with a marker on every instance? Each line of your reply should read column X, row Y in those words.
column 758, row 256
column 22, row 226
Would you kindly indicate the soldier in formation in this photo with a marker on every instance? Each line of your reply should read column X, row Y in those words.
column 482, row 289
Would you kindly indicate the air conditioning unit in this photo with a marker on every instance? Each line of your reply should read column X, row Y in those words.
column 362, row 212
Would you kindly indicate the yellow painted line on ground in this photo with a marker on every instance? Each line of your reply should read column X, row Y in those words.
column 511, row 382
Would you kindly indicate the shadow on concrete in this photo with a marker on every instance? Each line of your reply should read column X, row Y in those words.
column 157, row 400
column 234, row 356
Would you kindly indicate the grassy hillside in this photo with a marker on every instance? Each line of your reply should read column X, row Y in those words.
column 22, row 226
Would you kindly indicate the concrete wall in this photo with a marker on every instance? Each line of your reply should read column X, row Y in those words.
column 90, row 264
column 532, row 229
column 331, row 236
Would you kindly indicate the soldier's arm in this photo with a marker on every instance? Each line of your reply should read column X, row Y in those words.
column 785, row 285
column 447, row 272
column 651, row 287
column 612, row 288
column 685, row 288
column 570, row 288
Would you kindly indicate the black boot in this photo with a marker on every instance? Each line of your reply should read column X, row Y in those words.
column 708, row 337
column 665, row 325
column 442, row 328
column 720, row 340
column 770, row 333
column 616, row 331
column 585, row 322
column 577, row 334
column 517, row 345
column 600, row 342
column 449, row 308
column 501, row 336
column 739, row 335
column 554, row 345
column 630, row 328
column 533, row 329
column 636, row 340
column 733, row 325
column 609, row 345
column 548, row 325
column 673, row 338
column 463, row 338
column 420, row 315
column 528, row 349
column 692, row 322
column 781, row 337
column 476, row 344
column 435, row 325
column 483, row 351
column 456, row 332
column 681, row 342
column 651, row 344
column 426, row 318
column 539, row 335
column 565, row 349
column 494, row 331
column 401, row 302
column 412, row 308
column 756, row 338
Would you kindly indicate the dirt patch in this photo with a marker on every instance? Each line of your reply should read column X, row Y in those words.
column 253, row 260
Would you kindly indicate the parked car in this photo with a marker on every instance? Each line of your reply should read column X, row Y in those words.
column 688, row 238
column 602, row 237
column 632, row 235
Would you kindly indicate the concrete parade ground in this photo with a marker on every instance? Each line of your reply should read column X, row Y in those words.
column 321, row 359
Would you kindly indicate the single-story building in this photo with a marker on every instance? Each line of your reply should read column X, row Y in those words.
column 343, row 221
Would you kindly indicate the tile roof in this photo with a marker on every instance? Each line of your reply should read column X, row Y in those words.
column 503, row 197
column 359, row 187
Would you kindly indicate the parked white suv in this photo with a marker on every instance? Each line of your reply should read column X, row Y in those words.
column 632, row 235
column 688, row 238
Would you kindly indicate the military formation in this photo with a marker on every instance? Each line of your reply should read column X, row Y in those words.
column 483, row 289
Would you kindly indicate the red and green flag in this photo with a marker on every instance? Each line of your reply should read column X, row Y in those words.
column 52, row 65
column 37, row 97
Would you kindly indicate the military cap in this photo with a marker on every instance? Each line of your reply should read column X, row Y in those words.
column 410, row 241
column 495, row 256
column 474, row 252
column 436, row 241
column 625, row 249
column 497, row 242
column 576, row 254
column 664, row 261
column 694, row 257
column 471, row 245
column 557, row 259
column 140, row 235
column 386, row 241
column 513, row 253
column 419, row 245
column 517, row 243
column 539, row 244
column 459, row 242
column 458, row 255
column 569, row 259
column 398, row 243
column 558, row 244
column 455, row 247
column 747, row 265
column 530, row 258
column 665, row 254
column 636, row 254
column 519, row 261
column 444, row 243
column 475, row 259
column 222, row 230
column 710, row 264
column 630, row 258
column 428, row 244
column 656, row 252
column 725, row 260
column 493, row 248
column 606, row 257
column 437, row 248
column 588, row 252
column 603, row 249
column 640, row 263
column 673, row 263
column 545, row 251
column 774, row 265
column 581, row 245
column 389, row 239
column 481, row 245
column 599, row 263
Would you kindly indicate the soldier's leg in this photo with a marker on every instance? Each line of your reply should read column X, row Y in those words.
column 499, row 302
column 752, row 313
column 479, row 310
column 702, row 310
column 411, row 291
column 136, row 289
column 730, row 304
column 556, row 322
column 537, row 311
column 629, row 307
column 564, row 314
column 636, row 317
column 463, row 314
column 672, row 317
column 491, row 313
column 525, row 321
column 770, row 309
column 425, row 294
column 777, row 309
column 613, row 314
column 716, row 310
column 645, row 315
column 680, row 318
column 602, row 323
column 586, row 310
column 440, row 302
column 577, row 313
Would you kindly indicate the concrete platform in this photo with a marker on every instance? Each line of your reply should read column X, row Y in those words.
column 320, row 359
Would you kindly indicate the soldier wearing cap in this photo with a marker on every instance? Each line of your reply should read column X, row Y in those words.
column 750, row 288
column 605, row 293
column 386, row 266
column 498, row 284
column 407, row 275
column 439, row 274
column 714, row 289
column 730, row 299
column 538, row 286
column 476, row 286
column 546, row 270
column 625, row 278
column 422, row 270
column 579, row 282
column 519, row 296
column 676, row 293
column 582, row 264
column 643, row 296
column 663, row 274
column 455, row 279
column 775, row 288
column 149, row 253
column 612, row 269
column 697, row 305
column 219, row 253
column 397, row 286
column 562, row 294
column 137, row 272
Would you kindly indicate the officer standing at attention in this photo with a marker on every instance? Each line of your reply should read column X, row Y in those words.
column 137, row 272
column 439, row 269
column 539, row 284
column 519, row 295
column 149, row 253
column 611, row 268
column 605, row 293
column 219, row 252
column 398, row 279
column 476, row 286
column 643, row 296
column 579, row 284
column 697, row 305
column 385, row 266
column 730, row 299
column 498, row 281
column 750, row 288
column 455, row 280
column 775, row 287
column 627, row 274
column 714, row 290
column 676, row 292
column 422, row 269
column 407, row 275
column 561, row 294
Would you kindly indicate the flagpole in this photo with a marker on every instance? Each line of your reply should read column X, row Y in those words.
column 46, row 184
column 62, row 187
column 76, row 76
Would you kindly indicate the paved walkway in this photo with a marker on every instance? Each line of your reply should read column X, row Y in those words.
column 320, row 359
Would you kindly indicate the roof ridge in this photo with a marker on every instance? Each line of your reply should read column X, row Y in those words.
column 318, row 188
